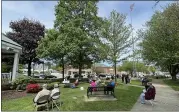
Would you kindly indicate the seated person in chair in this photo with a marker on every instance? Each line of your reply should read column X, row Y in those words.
column 41, row 93
column 75, row 84
column 55, row 90
column 93, row 84
column 110, row 86
column 149, row 94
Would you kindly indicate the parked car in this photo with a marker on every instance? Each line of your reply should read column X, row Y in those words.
column 108, row 76
column 47, row 77
column 177, row 76
column 102, row 76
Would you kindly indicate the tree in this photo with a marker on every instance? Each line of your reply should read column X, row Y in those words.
column 78, row 21
column 27, row 33
column 128, row 66
column 152, row 69
column 115, row 36
column 160, row 39
column 54, row 46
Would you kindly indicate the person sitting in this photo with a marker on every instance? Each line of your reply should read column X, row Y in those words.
column 148, row 94
column 76, row 82
column 93, row 84
column 110, row 86
column 41, row 93
column 111, row 83
column 55, row 90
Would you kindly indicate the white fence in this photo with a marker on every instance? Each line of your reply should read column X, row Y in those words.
column 5, row 78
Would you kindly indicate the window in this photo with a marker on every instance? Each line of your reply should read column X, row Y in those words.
column 74, row 72
column 69, row 72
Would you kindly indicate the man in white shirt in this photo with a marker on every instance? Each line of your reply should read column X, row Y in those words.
column 55, row 90
column 41, row 93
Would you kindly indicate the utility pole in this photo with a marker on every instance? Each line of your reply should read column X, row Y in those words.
column 133, row 64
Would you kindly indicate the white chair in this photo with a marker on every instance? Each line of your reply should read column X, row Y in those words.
column 42, row 101
column 55, row 97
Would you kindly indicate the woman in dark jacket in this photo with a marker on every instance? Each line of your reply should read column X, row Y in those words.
column 149, row 94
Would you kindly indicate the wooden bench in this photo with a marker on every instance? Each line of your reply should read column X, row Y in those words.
column 105, row 89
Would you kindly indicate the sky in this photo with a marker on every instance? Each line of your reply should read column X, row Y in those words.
column 43, row 11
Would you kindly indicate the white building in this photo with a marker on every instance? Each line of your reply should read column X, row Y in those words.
column 10, row 48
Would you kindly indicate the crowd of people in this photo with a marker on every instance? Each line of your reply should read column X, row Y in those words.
column 147, row 94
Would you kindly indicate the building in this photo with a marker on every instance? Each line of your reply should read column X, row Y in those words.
column 101, row 68
column 73, row 71
column 10, row 48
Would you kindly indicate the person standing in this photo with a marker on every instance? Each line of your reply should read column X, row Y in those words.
column 123, row 78
column 126, row 78
column 130, row 79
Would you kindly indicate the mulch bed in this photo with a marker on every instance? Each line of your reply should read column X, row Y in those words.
column 12, row 94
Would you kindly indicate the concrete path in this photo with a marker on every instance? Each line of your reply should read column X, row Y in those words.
column 166, row 99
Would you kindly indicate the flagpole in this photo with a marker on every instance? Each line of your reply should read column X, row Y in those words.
column 133, row 63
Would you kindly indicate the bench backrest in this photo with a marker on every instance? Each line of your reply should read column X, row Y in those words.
column 96, row 88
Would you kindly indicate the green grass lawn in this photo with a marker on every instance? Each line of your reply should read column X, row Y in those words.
column 133, row 82
column 126, row 98
column 173, row 84
column 136, row 82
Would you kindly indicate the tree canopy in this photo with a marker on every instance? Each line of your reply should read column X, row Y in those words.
column 27, row 33
column 160, row 39
column 128, row 66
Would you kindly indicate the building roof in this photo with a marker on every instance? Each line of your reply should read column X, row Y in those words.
column 7, row 40
column 8, row 46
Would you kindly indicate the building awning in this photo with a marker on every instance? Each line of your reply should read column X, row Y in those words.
column 9, row 46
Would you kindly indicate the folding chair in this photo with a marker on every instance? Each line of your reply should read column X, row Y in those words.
column 42, row 101
column 55, row 97
column 151, row 102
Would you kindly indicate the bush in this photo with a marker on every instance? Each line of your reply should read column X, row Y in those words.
column 33, row 88
column 21, row 79
column 21, row 87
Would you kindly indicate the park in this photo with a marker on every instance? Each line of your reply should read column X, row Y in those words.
column 88, row 60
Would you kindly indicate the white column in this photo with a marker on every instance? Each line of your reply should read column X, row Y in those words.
column 15, row 66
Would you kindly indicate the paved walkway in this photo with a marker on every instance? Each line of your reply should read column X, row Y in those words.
column 166, row 99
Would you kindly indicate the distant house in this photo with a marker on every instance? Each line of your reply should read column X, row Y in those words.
column 10, row 48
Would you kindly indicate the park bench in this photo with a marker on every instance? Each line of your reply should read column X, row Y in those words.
column 105, row 90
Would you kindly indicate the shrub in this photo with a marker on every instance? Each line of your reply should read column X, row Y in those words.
column 21, row 79
column 33, row 88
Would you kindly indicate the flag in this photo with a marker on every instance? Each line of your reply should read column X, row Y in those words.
column 132, row 6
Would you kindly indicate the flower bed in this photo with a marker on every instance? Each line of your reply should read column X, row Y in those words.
column 33, row 88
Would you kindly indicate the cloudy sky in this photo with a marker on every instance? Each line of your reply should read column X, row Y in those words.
column 43, row 11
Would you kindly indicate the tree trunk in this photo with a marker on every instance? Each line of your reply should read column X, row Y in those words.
column 174, row 77
column 29, row 67
column 115, row 71
column 173, row 71
column 63, row 69
column 80, row 69
column 80, row 64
